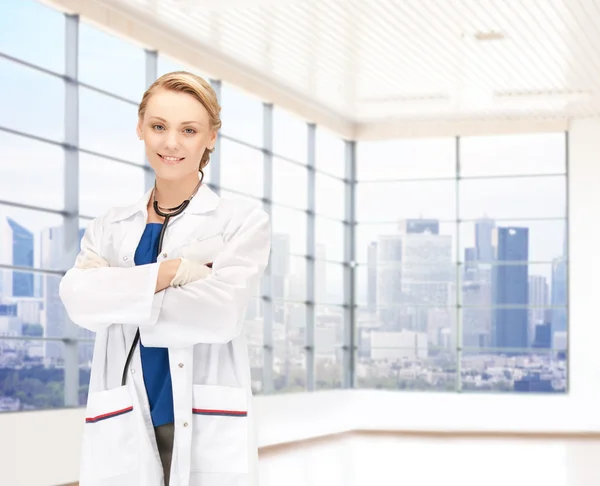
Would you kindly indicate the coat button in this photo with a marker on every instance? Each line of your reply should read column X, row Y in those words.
column 125, row 258
column 181, row 365
column 164, row 255
column 185, row 424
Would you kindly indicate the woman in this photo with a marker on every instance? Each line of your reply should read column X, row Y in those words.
column 165, row 283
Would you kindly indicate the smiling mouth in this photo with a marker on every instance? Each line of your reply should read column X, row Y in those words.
column 170, row 159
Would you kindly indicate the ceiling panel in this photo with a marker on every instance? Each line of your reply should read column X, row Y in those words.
column 375, row 61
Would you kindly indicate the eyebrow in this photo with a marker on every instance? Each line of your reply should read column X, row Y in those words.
column 182, row 123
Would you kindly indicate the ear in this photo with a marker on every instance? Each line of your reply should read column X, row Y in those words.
column 213, row 139
column 139, row 129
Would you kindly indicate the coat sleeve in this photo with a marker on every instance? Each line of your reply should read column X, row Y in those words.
column 95, row 298
column 212, row 310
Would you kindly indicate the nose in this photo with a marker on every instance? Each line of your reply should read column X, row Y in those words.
column 172, row 141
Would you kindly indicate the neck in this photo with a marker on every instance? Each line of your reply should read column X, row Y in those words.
column 171, row 193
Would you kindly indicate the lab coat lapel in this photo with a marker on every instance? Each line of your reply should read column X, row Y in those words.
column 195, row 221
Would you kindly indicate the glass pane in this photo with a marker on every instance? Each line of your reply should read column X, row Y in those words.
column 107, row 126
column 518, row 197
column 330, row 153
column 403, row 361
column 289, row 360
column 391, row 201
column 538, row 153
column 31, row 305
column 105, row 183
column 25, row 92
column 329, row 339
column 111, row 63
column 166, row 64
column 292, row 223
column 540, row 287
column 487, row 240
column 531, row 370
column 253, row 326
column 33, row 238
column 406, row 159
column 31, row 375
column 329, row 236
column 224, row 193
column 256, row 357
column 21, row 24
column 419, row 240
column 511, row 325
column 329, row 282
column 290, row 183
column 288, row 274
column 241, row 168
column 330, row 197
column 241, row 115
column 389, row 284
column 290, row 136
column 85, row 351
column 37, row 176
column 254, row 323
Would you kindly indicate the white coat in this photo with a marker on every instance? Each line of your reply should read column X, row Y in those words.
column 201, row 325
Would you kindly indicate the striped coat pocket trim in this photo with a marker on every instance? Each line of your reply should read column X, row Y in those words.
column 222, row 413
column 116, row 413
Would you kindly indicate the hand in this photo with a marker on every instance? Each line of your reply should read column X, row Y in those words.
column 190, row 271
column 91, row 261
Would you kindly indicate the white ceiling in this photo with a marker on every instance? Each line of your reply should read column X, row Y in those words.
column 356, row 65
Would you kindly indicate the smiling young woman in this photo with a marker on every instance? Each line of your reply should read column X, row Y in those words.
column 165, row 284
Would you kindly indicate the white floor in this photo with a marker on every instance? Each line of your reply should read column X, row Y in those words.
column 366, row 460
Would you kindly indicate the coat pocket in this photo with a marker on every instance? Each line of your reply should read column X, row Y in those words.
column 109, row 437
column 203, row 250
column 220, row 429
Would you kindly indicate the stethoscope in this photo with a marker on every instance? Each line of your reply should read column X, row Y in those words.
column 166, row 213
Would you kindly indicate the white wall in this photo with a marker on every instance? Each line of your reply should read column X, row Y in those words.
column 41, row 448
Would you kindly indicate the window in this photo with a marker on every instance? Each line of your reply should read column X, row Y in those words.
column 406, row 159
column 290, row 183
column 241, row 168
column 33, row 33
column 32, row 172
column 107, row 126
column 100, row 177
column 167, row 64
column 33, row 252
column 330, row 196
column 329, row 239
column 110, row 63
column 32, row 102
column 290, row 136
column 463, row 260
column 330, row 154
column 241, row 116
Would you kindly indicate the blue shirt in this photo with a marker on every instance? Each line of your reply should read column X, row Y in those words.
column 155, row 361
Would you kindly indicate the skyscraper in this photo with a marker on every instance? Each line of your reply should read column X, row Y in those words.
column 22, row 256
column 372, row 276
column 484, row 229
column 538, row 300
column 510, row 324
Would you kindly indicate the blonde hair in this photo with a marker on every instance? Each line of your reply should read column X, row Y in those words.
column 199, row 88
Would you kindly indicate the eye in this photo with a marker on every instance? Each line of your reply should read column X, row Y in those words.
column 190, row 131
column 157, row 127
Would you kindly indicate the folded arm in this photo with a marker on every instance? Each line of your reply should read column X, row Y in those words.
column 212, row 309
column 96, row 296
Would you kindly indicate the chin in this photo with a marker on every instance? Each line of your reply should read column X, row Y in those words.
column 173, row 172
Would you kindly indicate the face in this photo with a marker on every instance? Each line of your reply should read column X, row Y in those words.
column 176, row 131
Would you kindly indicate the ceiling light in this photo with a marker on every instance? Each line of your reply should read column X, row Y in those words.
column 489, row 36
